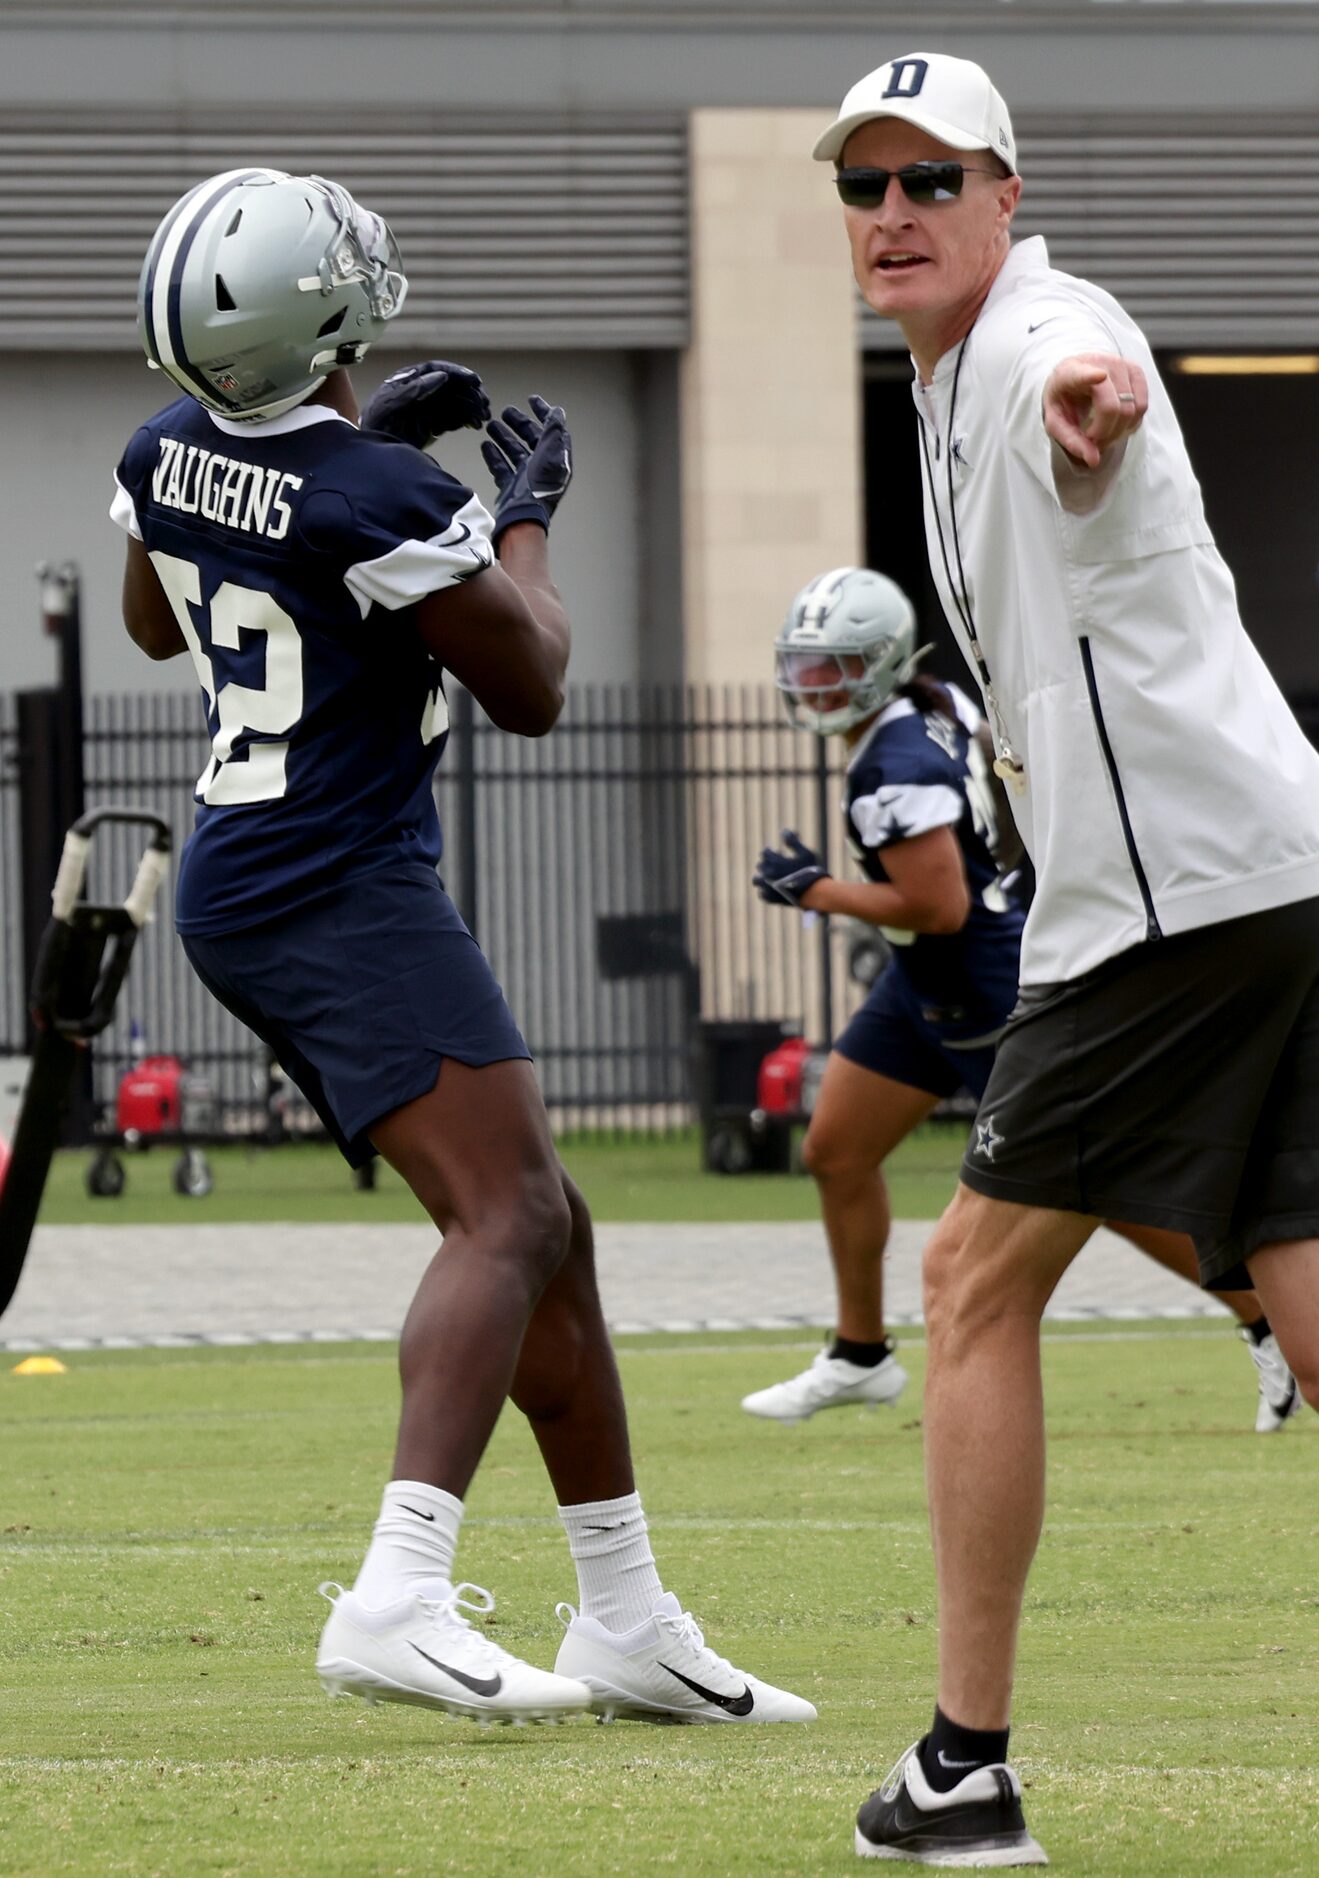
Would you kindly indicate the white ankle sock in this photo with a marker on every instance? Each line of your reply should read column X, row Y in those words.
column 616, row 1578
column 415, row 1538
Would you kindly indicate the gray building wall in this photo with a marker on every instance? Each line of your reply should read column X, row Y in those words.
column 591, row 56
column 1091, row 67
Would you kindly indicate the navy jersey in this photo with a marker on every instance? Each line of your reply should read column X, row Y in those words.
column 912, row 773
column 293, row 553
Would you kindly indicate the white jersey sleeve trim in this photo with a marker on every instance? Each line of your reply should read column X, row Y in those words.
column 415, row 568
column 123, row 511
column 900, row 811
column 967, row 715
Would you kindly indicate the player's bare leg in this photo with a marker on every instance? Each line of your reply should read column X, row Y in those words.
column 859, row 1118
column 477, row 1152
column 632, row 1642
column 1175, row 1251
column 1286, row 1280
column 566, row 1382
column 989, row 1271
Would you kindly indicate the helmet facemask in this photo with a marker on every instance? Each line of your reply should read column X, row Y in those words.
column 846, row 646
column 825, row 691
column 364, row 250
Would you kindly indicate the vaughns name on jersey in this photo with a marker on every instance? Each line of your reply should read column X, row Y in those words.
column 223, row 489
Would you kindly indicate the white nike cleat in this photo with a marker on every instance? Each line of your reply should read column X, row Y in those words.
column 1279, row 1398
column 664, row 1672
column 423, row 1650
column 830, row 1382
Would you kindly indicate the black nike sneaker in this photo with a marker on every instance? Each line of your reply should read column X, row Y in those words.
column 979, row 1822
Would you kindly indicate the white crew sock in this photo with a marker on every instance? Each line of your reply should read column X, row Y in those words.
column 616, row 1578
column 415, row 1539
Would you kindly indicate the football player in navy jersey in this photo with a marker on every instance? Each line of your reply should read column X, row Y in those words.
column 324, row 577
column 923, row 824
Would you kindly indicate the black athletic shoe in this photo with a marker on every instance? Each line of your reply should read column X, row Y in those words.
column 979, row 1822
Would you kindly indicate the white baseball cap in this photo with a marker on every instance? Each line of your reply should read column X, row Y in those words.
column 950, row 98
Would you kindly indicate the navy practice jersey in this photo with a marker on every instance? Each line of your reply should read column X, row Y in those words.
column 293, row 553
column 912, row 773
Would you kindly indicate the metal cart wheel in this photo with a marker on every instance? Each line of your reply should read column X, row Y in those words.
column 192, row 1174
column 730, row 1150
column 106, row 1177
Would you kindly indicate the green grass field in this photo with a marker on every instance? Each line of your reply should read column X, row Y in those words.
column 168, row 1515
column 632, row 1178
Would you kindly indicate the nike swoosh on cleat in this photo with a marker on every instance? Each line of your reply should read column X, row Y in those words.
column 417, row 1510
column 479, row 1685
column 735, row 1704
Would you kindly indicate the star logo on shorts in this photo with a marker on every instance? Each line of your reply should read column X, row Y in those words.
column 986, row 1139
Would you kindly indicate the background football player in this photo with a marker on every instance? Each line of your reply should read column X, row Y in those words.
column 922, row 820
column 324, row 578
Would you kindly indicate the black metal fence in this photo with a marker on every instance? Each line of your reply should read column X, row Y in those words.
column 605, row 870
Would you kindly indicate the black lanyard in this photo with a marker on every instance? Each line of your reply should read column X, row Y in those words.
column 1008, row 766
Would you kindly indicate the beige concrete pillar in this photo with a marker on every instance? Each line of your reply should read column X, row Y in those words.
column 771, row 394
column 771, row 495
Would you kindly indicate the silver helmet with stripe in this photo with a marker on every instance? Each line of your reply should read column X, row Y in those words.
column 848, row 642
column 257, row 284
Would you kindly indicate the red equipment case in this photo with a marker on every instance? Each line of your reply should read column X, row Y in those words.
column 149, row 1100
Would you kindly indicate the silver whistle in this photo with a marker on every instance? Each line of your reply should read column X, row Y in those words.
column 1011, row 770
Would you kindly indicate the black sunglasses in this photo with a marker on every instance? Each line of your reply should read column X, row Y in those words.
column 920, row 182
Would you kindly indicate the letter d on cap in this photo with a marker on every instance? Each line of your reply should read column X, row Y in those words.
column 898, row 86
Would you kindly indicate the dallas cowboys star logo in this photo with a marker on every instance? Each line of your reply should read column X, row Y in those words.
column 986, row 1139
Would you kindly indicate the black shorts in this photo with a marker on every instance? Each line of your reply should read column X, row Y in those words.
column 1176, row 1085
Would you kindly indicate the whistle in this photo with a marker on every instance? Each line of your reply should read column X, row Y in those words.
column 1012, row 771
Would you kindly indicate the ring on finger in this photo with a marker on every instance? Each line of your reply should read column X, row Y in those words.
column 1126, row 397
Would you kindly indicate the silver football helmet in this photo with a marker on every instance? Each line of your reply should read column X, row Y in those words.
column 848, row 642
column 258, row 283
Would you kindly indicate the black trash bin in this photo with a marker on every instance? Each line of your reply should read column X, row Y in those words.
column 736, row 1137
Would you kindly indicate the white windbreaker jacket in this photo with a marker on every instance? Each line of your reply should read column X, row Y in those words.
column 1167, row 784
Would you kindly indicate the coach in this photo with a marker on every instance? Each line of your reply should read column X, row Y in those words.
column 1162, row 1065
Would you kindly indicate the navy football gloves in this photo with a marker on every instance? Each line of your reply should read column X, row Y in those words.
column 421, row 402
column 530, row 459
column 782, row 879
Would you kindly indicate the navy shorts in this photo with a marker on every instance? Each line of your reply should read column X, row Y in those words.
column 361, row 994
column 941, row 1048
